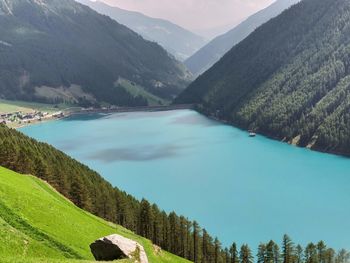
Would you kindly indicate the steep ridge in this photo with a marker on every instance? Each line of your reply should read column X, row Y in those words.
column 289, row 79
column 208, row 55
column 60, row 50
column 179, row 41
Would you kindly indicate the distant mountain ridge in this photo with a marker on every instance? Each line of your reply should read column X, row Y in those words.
column 178, row 41
column 208, row 55
column 290, row 79
column 60, row 50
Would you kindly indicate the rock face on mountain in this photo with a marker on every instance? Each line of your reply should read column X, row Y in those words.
column 208, row 55
column 60, row 50
column 115, row 247
column 179, row 41
column 290, row 79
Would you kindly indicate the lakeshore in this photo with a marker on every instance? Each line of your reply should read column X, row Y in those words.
column 16, row 116
column 154, row 154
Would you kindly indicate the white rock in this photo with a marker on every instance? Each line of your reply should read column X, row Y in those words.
column 118, row 247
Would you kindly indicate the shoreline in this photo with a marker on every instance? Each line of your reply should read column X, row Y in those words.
column 172, row 108
column 67, row 113
column 282, row 140
column 36, row 122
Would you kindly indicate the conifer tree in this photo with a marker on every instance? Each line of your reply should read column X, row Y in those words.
column 261, row 256
column 321, row 250
column 217, row 250
column 205, row 246
column 196, row 230
column 288, row 250
column 310, row 254
column 343, row 256
column 245, row 254
column 329, row 255
column 234, row 253
column 299, row 254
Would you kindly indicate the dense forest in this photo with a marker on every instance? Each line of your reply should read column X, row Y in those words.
column 174, row 233
column 290, row 79
column 60, row 50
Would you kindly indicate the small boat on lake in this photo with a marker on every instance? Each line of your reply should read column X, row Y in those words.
column 252, row 134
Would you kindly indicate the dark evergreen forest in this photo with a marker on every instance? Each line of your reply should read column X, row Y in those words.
column 290, row 79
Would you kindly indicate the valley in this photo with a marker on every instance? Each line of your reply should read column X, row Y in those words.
column 124, row 136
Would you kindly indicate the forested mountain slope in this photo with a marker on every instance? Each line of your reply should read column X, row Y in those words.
column 39, row 225
column 208, row 55
column 290, row 79
column 89, row 191
column 60, row 50
column 178, row 41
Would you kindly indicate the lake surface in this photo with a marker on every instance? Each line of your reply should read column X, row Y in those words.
column 239, row 188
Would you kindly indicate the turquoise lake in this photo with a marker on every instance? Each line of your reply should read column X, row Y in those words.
column 239, row 188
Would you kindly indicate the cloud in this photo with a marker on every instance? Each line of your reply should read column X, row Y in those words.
column 195, row 14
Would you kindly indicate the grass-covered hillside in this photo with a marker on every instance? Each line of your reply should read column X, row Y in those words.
column 37, row 224
column 289, row 79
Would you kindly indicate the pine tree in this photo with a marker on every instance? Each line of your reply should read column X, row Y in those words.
column 145, row 222
column 234, row 253
column 261, row 256
column 196, row 230
column 321, row 250
column 299, row 254
column 272, row 253
column 310, row 254
column 217, row 250
column 342, row 256
column 205, row 246
column 245, row 255
column 329, row 255
column 288, row 250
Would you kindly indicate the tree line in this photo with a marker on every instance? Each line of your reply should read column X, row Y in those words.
column 174, row 233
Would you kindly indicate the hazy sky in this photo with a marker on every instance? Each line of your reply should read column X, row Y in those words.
column 195, row 14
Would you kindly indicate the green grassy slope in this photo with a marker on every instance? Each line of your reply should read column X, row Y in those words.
column 37, row 224
column 137, row 90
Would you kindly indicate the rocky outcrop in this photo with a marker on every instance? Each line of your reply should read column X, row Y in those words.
column 117, row 247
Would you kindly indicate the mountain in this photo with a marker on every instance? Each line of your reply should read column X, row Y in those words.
column 290, row 79
column 178, row 41
column 208, row 55
column 40, row 225
column 212, row 32
column 60, row 50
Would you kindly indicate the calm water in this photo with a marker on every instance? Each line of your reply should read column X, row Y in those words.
column 238, row 188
